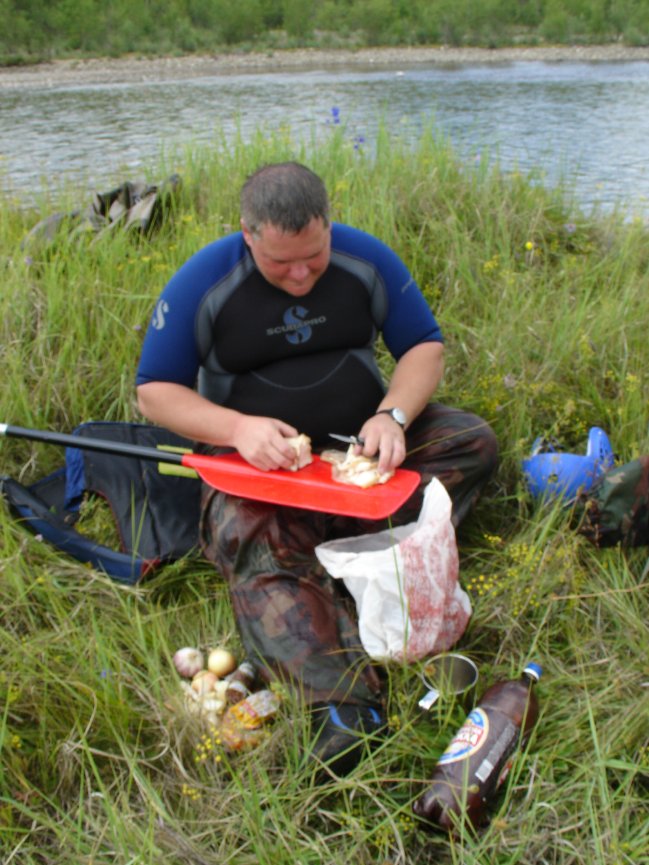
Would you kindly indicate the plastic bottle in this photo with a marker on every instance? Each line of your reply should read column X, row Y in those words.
column 478, row 758
column 244, row 725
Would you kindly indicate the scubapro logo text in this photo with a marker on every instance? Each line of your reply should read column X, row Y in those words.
column 297, row 328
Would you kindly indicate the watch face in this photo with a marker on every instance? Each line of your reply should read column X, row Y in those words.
column 399, row 416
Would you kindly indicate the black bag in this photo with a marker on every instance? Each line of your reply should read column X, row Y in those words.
column 156, row 514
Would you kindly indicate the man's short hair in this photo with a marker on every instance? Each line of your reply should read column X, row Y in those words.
column 286, row 195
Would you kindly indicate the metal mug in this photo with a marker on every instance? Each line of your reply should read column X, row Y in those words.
column 449, row 675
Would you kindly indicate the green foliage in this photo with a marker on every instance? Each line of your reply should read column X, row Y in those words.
column 298, row 17
column 237, row 23
column 544, row 310
column 557, row 25
column 377, row 19
column 77, row 24
column 203, row 14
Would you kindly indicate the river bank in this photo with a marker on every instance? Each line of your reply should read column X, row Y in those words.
column 72, row 73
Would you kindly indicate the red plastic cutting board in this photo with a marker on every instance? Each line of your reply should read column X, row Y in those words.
column 312, row 487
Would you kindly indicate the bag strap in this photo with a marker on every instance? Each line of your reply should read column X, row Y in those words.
column 37, row 516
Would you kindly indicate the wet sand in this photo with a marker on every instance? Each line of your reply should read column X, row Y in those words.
column 62, row 73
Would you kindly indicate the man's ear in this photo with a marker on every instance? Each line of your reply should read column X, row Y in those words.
column 247, row 236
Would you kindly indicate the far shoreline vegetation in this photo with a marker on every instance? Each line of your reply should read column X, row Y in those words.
column 37, row 31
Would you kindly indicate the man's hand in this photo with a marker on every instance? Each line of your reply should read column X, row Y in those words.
column 384, row 436
column 414, row 380
column 261, row 441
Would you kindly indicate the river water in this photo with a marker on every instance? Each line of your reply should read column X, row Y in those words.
column 583, row 124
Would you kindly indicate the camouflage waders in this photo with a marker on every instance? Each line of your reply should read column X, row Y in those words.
column 297, row 622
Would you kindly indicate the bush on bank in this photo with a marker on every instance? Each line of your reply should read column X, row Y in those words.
column 41, row 30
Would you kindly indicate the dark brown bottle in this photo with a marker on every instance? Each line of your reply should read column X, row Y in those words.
column 240, row 683
column 478, row 758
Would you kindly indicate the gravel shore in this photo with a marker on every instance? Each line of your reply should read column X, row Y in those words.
column 63, row 73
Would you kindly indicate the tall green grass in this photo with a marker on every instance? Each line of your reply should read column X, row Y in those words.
column 545, row 310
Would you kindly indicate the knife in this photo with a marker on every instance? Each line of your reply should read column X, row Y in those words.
column 350, row 440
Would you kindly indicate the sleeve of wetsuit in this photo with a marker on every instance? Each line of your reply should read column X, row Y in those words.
column 408, row 318
column 170, row 351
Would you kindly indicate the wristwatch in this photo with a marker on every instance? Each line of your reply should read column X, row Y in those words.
column 396, row 414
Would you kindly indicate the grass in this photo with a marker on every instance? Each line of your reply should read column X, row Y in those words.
column 545, row 310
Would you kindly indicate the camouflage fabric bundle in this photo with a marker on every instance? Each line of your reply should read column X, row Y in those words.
column 138, row 206
column 616, row 508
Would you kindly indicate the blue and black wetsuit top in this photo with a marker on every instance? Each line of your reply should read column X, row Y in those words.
column 220, row 326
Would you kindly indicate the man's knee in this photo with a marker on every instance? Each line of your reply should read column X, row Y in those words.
column 486, row 449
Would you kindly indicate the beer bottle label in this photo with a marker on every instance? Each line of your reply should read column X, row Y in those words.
column 469, row 738
column 497, row 737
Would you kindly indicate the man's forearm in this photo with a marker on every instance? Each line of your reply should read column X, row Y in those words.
column 185, row 412
column 415, row 379
column 262, row 441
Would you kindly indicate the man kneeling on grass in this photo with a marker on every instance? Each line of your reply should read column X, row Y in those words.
column 270, row 332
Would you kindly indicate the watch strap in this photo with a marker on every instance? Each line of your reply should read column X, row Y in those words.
column 394, row 414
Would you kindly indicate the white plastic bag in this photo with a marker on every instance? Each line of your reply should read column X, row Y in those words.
column 405, row 583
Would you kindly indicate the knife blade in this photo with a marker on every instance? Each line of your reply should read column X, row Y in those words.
column 350, row 440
